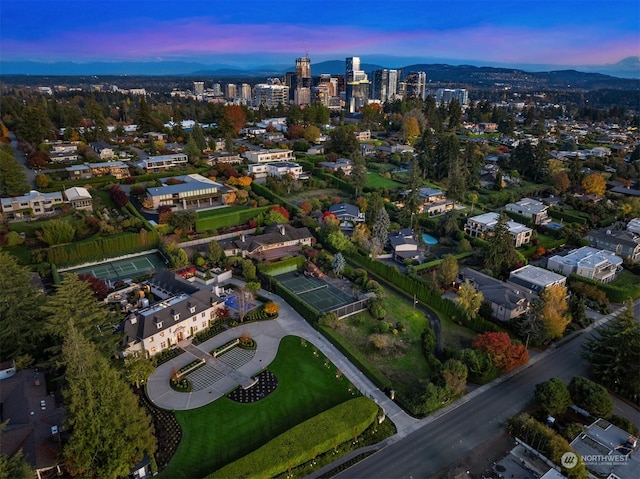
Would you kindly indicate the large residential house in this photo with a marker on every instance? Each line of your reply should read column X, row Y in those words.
column 117, row 169
column 507, row 300
column 79, row 198
column 482, row 226
column 223, row 157
column 340, row 164
column 536, row 279
column 32, row 205
column 268, row 156
column 435, row 201
column 278, row 240
column 348, row 215
column 192, row 192
column 633, row 226
column 532, row 209
column 64, row 152
column 103, row 149
column 404, row 245
column 277, row 169
column 153, row 164
column 169, row 321
column 589, row 262
column 622, row 243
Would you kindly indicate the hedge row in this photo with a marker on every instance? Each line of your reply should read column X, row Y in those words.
column 436, row 262
column 616, row 294
column 95, row 182
column 265, row 192
column 283, row 266
column 305, row 441
column 134, row 212
column 422, row 292
column 102, row 248
column 232, row 218
column 566, row 216
column 334, row 181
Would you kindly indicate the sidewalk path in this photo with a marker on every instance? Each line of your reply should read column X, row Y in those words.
column 267, row 335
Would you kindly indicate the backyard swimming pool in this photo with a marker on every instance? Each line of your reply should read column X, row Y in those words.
column 429, row 240
column 555, row 226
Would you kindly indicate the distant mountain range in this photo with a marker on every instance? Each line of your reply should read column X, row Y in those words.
column 616, row 75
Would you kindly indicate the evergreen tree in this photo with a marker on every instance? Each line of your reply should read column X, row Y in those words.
column 192, row 150
column 20, row 328
column 446, row 154
column 380, row 229
column 413, row 203
column 198, row 135
column 375, row 202
column 500, row 252
column 143, row 116
column 358, row 176
column 614, row 355
column 110, row 432
column 13, row 179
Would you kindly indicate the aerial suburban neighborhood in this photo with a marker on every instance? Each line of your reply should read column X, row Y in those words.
column 319, row 275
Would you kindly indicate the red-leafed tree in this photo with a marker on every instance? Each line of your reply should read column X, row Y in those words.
column 306, row 207
column 280, row 209
column 504, row 354
column 237, row 116
column 118, row 196
column 98, row 286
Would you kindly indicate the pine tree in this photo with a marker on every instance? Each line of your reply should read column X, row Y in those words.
column 110, row 432
column 381, row 229
column 500, row 252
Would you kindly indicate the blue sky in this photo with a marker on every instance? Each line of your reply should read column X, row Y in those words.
column 250, row 33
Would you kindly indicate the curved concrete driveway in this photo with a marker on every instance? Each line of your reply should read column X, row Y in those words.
column 267, row 335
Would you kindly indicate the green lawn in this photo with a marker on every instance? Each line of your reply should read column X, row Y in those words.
column 628, row 281
column 223, row 431
column 375, row 180
column 30, row 227
column 222, row 211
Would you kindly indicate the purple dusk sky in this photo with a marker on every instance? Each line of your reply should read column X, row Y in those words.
column 249, row 33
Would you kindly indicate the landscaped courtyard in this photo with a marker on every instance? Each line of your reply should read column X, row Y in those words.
column 224, row 431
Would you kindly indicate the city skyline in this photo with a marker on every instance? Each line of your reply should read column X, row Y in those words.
column 249, row 34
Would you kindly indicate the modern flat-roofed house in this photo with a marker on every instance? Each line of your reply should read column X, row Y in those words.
column 278, row 169
column 622, row 243
column 340, row 164
column 193, row 192
column 588, row 262
column 507, row 300
column 79, row 198
column 482, row 226
column 536, row 279
column 64, row 152
column 153, row 164
column 434, row 201
column 32, row 205
column 633, row 226
column 268, row 156
column 79, row 172
column 116, row 168
column 223, row 157
column 171, row 320
column 530, row 208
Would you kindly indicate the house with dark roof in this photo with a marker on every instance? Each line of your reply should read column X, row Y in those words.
column 404, row 245
column 507, row 300
column 348, row 215
column 622, row 243
column 164, row 324
column 278, row 240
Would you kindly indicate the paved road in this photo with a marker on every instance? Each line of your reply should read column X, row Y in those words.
column 22, row 159
column 448, row 435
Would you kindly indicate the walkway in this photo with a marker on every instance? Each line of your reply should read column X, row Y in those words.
column 267, row 335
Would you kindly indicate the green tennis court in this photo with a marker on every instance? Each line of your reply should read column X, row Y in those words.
column 124, row 268
column 315, row 291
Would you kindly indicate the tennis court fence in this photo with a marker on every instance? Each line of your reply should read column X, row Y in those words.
column 351, row 308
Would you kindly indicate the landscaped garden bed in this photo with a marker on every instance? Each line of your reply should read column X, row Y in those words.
column 167, row 355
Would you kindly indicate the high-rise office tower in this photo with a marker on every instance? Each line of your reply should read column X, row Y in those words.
column 445, row 95
column 217, row 89
column 231, row 91
column 384, row 84
column 357, row 85
column 416, row 85
column 245, row 91
column 198, row 87
column 302, row 88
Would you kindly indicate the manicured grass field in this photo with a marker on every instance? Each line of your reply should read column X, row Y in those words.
column 628, row 281
column 223, row 431
column 374, row 180
column 225, row 210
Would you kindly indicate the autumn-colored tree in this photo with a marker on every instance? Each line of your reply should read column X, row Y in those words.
column 38, row 159
column 561, row 181
column 306, row 207
column 98, row 286
column 311, row 133
column 448, row 270
column 229, row 198
column 237, row 116
column 280, row 209
column 555, row 310
column 118, row 196
column 594, row 184
column 504, row 354
column 295, row 132
column 469, row 299
column 271, row 308
column 410, row 128
column 42, row 180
